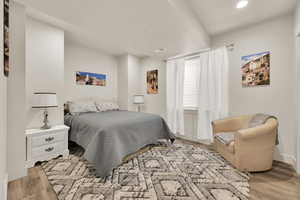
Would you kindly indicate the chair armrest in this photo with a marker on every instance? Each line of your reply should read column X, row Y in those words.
column 259, row 131
column 231, row 124
column 254, row 147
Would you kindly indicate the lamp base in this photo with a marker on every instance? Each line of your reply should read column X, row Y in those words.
column 45, row 126
column 46, row 121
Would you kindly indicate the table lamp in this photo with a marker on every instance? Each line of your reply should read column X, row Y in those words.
column 44, row 100
column 139, row 100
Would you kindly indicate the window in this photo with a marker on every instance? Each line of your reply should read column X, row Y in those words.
column 190, row 99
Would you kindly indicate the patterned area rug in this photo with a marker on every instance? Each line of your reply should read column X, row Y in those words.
column 177, row 172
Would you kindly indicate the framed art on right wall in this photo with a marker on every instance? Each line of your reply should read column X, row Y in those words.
column 6, row 37
column 152, row 82
column 256, row 69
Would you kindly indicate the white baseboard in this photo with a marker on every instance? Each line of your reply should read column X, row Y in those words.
column 3, row 185
column 193, row 139
column 289, row 159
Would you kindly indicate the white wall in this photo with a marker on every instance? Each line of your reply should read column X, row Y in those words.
column 132, row 80
column 3, row 131
column 297, row 85
column 157, row 103
column 297, row 19
column 44, row 69
column 277, row 99
column 129, row 74
column 123, row 82
column 16, row 152
column 196, row 36
column 83, row 59
column 134, row 77
column 154, row 103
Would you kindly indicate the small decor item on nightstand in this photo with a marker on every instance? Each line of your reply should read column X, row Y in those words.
column 139, row 100
column 45, row 100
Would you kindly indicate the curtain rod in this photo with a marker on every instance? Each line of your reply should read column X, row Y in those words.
column 230, row 47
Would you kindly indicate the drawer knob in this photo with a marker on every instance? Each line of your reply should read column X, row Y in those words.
column 49, row 149
column 49, row 139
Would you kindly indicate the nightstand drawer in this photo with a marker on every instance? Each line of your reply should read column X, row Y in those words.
column 47, row 139
column 47, row 149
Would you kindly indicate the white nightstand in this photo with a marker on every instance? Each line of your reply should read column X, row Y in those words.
column 42, row 145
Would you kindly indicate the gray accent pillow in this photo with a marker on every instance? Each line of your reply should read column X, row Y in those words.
column 106, row 106
column 225, row 137
column 77, row 107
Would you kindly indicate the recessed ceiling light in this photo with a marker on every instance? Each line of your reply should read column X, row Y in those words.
column 242, row 4
column 160, row 50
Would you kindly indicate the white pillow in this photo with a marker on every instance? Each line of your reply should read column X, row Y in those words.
column 77, row 107
column 106, row 106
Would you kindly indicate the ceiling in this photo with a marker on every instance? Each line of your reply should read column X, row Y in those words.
column 121, row 26
column 141, row 26
column 218, row 16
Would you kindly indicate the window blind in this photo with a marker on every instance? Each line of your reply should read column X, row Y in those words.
column 191, row 93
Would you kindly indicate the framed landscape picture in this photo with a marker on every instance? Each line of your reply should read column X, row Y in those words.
column 256, row 69
column 152, row 82
column 6, row 37
column 87, row 78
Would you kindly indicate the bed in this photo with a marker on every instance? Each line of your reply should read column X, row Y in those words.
column 109, row 136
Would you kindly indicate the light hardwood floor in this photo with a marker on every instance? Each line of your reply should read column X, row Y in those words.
column 281, row 183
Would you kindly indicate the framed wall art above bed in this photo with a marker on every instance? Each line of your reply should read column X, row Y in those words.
column 88, row 78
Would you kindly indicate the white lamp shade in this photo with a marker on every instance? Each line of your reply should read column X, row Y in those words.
column 138, row 99
column 242, row 3
column 44, row 100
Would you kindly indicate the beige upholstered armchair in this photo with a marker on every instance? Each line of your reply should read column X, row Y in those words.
column 252, row 148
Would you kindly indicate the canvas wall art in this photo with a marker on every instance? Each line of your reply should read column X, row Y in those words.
column 256, row 69
column 6, row 37
column 87, row 78
column 152, row 82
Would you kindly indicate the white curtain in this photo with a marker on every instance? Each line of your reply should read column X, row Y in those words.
column 213, row 91
column 175, row 84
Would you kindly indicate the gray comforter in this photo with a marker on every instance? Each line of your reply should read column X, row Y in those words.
column 108, row 137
